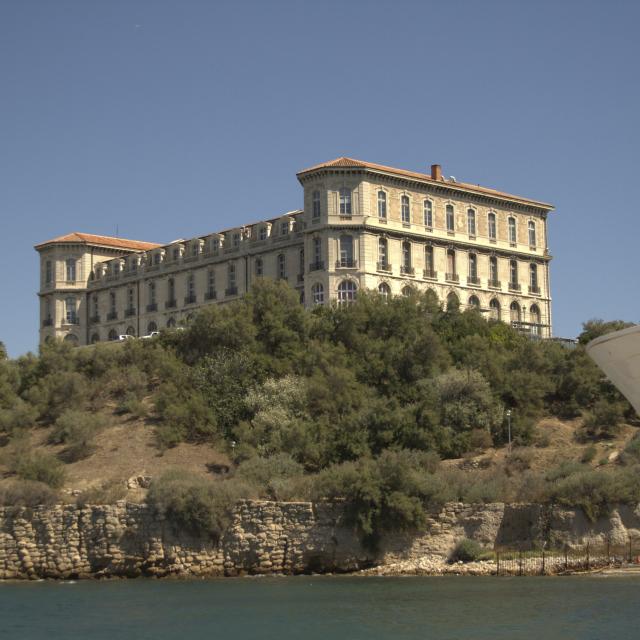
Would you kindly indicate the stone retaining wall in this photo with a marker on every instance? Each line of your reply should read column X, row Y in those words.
column 127, row 539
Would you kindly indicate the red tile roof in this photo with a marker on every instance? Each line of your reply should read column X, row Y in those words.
column 103, row 241
column 361, row 164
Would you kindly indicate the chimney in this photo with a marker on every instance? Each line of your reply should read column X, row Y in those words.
column 436, row 172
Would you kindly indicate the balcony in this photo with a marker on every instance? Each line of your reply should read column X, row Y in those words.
column 473, row 281
column 190, row 299
column 94, row 319
column 385, row 267
column 47, row 322
column 534, row 289
column 430, row 274
column 514, row 286
column 407, row 271
column 130, row 312
column 231, row 291
column 452, row 277
column 170, row 304
column 346, row 263
column 318, row 265
column 72, row 319
column 210, row 295
column 495, row 284
column 152, row 307
column 112, row 315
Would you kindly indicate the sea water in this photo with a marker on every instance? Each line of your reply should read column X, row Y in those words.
column 314, row 607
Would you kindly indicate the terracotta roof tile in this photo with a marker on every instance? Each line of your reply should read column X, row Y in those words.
column 362, row 164
column 104, row 241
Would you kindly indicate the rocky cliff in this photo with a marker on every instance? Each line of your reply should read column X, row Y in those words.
column 127, row 539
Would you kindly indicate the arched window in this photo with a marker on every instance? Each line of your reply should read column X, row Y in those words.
column 70, row 306
column 453, row 302
column 494, row 309
column 471, row 222
column 493, row 272
column 131, row 331
column 514, row 312
column 384, row 290
column 532, row 233
column 533, row 278
column 406, row 267
column 382, row 205
column 71, row 339
column 383, row 254
column 428, row 214
column 407, row 291
column 282, row 266
column 491, row 225
column 347, row 292
column 345, row 202
column 151, row 327
column 405, row 209
column 513, row 273
column 535, row 319
column 429, row 262
column 316, row 205
column 95, row 338
column 70, row 266
column 346, row 251
column 113, row 335
column 431, row 297
column 451, row 265
column 451, row 223
column 259, row 267
column 171, row 323
column 512, row 230
column 474, row 302
column 473, row 269
column 317, row 293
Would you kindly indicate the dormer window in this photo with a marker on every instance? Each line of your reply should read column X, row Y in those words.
column 236, row 240
column 156, row 258
column 263, row 232
column 284, row 227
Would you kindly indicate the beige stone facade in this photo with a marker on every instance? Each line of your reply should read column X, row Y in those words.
column 363, row 226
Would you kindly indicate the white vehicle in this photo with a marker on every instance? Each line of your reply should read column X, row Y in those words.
column 153, row 334
column 126, row 336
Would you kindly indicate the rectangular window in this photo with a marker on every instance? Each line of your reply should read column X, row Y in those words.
column 70, row 309
column 428, row 214
column 492, row 226
column 471, row 222
column 346, row 251
column 263, row 233
column 316, row 204
column 532, row 233
column 428, row 259
column 211, row 281
column 130, row 296
column 231, row 275
column 282, row 266
column 405, row 210
column 156, row 258
column 382, row 205
column 450, row 218
column 284, row 228
column 176, row 254
column 512, row 230
column 317, row 250
column 236, row 240
column 345, row 202
column 71, row 270
column 48, row 272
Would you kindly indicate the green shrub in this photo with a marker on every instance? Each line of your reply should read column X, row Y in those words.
column 631, row 453
column 519, row 460
column 198, row 506
column 271, row 476
column 27, row 493
column 35, row 465
column 21, row 415
column 589, row 454
column 604, row 420
column 77, row 429
column 107, row 493
column 131, row 404
column 467, row 551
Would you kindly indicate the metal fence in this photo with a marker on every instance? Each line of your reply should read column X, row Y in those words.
column 589, row 557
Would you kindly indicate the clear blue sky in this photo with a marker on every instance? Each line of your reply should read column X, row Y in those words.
column 172, row 119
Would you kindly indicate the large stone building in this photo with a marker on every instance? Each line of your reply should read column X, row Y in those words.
column 363, row 226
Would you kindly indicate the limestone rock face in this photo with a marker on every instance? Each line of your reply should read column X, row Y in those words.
column 264, row 537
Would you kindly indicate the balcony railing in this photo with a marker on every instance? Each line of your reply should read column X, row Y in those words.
column 430, row 274
column 514, row 286
column 151, row 307
column 407, row 271
column 72, row 320
column 112, row 315
column 231, row 291
column 131, row 312
column 383, row 266
column 534, row 289
column 190, row 299
column 47, row 322
column 452, row 277
column 495, row 284
column 473, row 280
column 346, row 263
column 210, row 295
column 318, row 265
